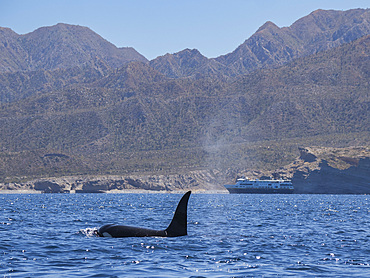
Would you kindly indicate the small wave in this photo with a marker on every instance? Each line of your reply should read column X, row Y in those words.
column 356, row 262
column 307, row 267
column 89, row 232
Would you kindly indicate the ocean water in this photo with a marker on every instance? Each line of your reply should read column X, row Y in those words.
column 51, row 235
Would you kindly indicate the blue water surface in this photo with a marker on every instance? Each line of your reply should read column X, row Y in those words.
column 51, row 235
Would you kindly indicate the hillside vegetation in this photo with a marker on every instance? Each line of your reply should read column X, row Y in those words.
column 91, row 108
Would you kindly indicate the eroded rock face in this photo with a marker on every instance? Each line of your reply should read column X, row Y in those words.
column 306, row 155
column 46, row 186
column 330, row 180
column 331, row 171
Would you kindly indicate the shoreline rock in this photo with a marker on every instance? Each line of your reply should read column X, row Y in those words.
column 197, row 181
column 331, row 171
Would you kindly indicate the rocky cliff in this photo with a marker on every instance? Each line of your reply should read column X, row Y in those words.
column 337, row 171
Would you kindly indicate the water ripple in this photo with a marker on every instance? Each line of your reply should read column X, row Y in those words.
column 49, row 235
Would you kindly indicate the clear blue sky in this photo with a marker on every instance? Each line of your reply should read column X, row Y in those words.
column 157, row 27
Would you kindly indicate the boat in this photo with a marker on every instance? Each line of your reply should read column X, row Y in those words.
column 265, row 186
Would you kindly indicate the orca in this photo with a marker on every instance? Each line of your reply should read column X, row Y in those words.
column 177, row 227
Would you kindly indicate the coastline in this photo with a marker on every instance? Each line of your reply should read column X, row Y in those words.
column 124, row 191
column 317, row 170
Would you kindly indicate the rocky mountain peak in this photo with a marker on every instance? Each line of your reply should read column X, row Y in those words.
column 321, row 30
column 181, row 64
column 190, row 53
column 60, row 46
column 269, row 25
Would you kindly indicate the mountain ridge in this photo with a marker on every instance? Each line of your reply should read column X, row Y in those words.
column 272, row 46
column 63, row 46
column 269, row 46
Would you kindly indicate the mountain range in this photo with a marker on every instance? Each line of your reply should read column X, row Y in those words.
column 272, row 46
column 73, row 103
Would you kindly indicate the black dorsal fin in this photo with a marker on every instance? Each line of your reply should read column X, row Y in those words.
column 179, row 223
